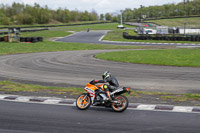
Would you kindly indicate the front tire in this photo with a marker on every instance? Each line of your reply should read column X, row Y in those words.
column 121, row 105
column 82, row 103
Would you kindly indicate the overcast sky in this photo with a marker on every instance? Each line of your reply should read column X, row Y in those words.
column 101, row 6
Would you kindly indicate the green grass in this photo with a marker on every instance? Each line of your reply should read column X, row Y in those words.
column 12, row 87
column 8, row 86
column 117, row 35
column 106, row 26
column 181, row 97
column 49, row 46
column 167, row 96
column 188, row 57
column 179, row 22
column 170, row 57
column 46, row 34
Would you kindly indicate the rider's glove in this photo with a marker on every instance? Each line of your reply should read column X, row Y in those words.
column 93, row 82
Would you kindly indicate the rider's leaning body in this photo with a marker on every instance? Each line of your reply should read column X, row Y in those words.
column 113, row 83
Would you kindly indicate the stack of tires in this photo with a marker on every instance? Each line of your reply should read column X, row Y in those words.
column 1, row 39
column 161, row 37
column 31, row 39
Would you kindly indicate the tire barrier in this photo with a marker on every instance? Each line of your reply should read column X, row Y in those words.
column 31, row 39
column 22, row 39
column 163, row 37
column 27, row 39
column 40, row 39
column 1, row 39
column 3, row 33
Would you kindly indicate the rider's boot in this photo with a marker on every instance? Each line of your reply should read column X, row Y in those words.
column 108, row 96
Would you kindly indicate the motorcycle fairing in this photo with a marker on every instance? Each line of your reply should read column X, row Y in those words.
column 91, row 90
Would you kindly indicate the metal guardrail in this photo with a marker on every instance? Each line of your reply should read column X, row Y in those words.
column 47, row 26
column 29, row 30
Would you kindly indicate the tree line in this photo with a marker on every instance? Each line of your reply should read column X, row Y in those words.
column 182, row 9
column 25, row 14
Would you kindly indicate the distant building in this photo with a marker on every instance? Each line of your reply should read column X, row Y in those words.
column 189, row 31
column 162, row 30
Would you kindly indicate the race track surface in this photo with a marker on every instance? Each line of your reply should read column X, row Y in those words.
column 79, row 67
column 95, row 37
column 40, row 118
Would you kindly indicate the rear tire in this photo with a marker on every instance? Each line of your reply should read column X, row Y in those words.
column 83, row 104
column 122, row 105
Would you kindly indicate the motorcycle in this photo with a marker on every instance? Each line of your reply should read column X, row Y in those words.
column 96, row 96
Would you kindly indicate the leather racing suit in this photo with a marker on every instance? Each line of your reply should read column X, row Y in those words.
column 113, row 84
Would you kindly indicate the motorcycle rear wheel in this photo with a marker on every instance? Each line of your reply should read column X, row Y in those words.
column 121, row 105
column 83, row 104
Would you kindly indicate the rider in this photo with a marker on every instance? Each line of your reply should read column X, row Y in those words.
column 113, row 83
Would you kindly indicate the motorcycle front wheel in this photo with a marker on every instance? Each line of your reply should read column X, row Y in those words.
column 83, row 102
column 120, row 103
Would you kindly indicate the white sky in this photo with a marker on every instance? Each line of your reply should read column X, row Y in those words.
column 101, row 6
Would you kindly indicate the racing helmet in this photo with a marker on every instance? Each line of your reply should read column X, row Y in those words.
column 106, row 75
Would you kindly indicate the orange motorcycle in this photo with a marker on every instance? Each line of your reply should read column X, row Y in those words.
column 96, row 96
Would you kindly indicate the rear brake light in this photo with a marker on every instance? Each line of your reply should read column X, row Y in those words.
column 127, row 89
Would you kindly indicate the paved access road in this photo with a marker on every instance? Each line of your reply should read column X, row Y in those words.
column 96, row 36
column 39, row 118
column 79, row 67
column 84, row 37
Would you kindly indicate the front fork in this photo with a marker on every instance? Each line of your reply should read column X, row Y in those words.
column 84, row 97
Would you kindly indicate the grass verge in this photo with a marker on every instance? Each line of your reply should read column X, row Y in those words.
column 49, row 46
column 170, row 57
column 12, row 88
column 9, row 87
column 190, row 22
column 169, row 96
column 106, row 26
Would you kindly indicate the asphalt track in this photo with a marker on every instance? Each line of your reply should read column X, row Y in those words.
column 95, row 37
column 76, row 68
column 38, row 118
column 79, row 67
